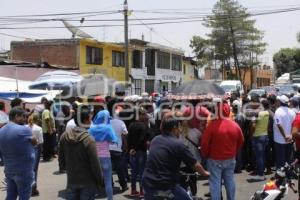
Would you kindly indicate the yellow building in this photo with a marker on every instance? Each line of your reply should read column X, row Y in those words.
column 102, row 58
column 152, row 67
column 90, row 56
column 188, row 69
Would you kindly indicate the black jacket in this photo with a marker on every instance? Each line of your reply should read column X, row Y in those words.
column 138, row 135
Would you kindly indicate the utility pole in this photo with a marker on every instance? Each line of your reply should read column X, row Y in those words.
column 126, row 41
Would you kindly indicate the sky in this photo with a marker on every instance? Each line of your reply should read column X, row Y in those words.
column 279, row 29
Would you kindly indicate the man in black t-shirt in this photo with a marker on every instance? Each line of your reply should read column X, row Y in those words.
column 166, row 153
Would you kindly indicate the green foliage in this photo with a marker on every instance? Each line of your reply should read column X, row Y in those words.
column 201, row 49
column 233, row 37
column 286, row 60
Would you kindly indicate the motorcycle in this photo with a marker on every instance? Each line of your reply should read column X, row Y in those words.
column 279, row 185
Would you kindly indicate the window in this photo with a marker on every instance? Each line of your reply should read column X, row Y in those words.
column 150, row 61
column 138, row 86
column 118, row 58
column 94, row 55
column 150, row 57
column 174, row 85
column 163, row 60
column 176, row 62
column 184, row 69
column 137, row 59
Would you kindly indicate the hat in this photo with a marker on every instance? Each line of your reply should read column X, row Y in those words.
column 154, row 94
column 99, row 99
column 145, row 94
column 217, row 100
column 236, row 103
column 283, row 99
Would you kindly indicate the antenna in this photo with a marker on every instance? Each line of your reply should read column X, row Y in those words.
column 76, row 31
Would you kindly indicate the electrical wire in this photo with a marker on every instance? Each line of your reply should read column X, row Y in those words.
column 168, row 20
column 154, row 31
column 20, row 37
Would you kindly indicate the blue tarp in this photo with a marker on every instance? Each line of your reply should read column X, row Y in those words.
column 11, row 95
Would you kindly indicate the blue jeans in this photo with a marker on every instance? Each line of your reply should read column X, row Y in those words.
column 38, row 151
column 259, row 145
column 221, row 170
column 176, row 193
column 107, row 176
column 137, row 163
column 283, row 154
column 75, row 192
column 19, row 184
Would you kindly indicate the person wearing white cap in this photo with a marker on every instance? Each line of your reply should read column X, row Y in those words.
column 282, row 127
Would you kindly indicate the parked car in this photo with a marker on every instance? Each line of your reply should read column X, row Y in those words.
column 230, row 86
column 257, row 92
column 271, row 90
column 287, row 89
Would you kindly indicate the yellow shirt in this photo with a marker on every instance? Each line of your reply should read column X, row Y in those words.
column 262, row 123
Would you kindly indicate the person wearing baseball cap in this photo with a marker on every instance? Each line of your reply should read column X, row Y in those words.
column 282, row 127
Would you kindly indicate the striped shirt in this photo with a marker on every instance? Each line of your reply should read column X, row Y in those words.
column 103, row 149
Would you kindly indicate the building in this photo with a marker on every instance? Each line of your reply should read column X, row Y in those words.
column 63, row 52
column 189, row 69
column 153, row 67
column 255, row 78
column 90, row 56
column 212, row 74
column 4, row 54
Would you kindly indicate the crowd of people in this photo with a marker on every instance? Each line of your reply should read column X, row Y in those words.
column 150, row 141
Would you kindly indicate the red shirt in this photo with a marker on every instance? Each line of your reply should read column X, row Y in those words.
column 221, row 139
column 296, row 124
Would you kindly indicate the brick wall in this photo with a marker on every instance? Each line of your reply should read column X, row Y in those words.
column 64, row 54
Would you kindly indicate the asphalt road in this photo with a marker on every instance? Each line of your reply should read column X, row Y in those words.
column 51, row 185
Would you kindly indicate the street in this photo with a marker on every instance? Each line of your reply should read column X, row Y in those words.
column 51, row 185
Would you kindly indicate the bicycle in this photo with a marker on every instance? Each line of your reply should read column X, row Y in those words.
column 168, row 195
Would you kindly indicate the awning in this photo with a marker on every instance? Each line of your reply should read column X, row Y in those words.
column 28, row 97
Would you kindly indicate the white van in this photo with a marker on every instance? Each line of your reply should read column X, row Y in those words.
column 230, row 86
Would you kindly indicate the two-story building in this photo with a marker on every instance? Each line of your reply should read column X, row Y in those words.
column 153, row 67
column 90, row 56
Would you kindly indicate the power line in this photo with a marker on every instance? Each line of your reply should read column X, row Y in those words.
column 153, row 30
column 14, row 36
column 63, row 14
column 195, row 19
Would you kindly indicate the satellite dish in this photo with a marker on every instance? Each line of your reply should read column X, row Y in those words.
column 76, row 31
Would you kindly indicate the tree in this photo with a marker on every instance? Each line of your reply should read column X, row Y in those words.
column 298, row 37
column 233, row 36
column 201, row 49
column 286, row 60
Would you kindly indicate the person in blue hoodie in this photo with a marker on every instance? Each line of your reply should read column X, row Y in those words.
column 104, row 134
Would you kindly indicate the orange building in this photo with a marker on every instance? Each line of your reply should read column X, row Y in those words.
column 255, row 78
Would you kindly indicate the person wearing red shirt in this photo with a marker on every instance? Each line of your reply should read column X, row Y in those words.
column 219, row 144
column 296, row 137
